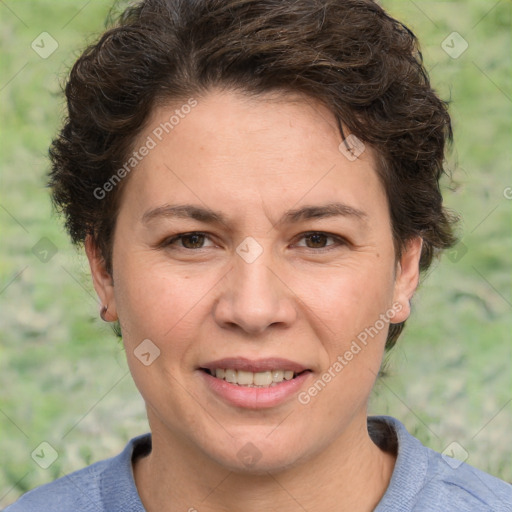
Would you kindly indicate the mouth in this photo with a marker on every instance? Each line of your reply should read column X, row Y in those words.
column 260, row 373
column 254, row 384
column 248, row 379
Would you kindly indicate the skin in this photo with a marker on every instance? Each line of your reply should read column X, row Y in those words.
column 302, row 299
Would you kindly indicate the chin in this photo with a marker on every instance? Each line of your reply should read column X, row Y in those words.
column 253, row 455
column 268, row 463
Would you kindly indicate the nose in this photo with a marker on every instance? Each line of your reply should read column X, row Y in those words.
column 254, row 296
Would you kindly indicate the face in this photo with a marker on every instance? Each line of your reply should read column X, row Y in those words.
column 247, row 242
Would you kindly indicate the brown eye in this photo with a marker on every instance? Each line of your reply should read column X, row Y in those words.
column 190, row 241
column 319, row 240
column 193, row 241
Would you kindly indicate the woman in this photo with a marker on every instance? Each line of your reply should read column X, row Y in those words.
column 256, row 187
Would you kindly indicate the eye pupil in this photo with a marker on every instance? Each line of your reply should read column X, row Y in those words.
column 197, row 240
column 315, row 237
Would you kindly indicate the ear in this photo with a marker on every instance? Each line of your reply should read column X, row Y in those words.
column 101, row 278
column 407, row 278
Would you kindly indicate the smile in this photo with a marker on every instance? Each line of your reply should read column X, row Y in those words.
column 254, row 384
column 250, row 379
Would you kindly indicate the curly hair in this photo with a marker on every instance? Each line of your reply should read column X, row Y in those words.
column 350, row 55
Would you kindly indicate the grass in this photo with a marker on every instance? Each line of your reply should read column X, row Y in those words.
column 63, row 375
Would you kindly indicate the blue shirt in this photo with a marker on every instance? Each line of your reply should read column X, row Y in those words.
column 422, row 481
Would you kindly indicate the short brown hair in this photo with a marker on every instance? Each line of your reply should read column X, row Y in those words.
column 350, row 55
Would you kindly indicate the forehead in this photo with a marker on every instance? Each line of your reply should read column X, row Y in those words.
column 263, row 149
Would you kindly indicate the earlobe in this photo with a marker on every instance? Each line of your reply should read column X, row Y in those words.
column 102, row 280
column 407, row 277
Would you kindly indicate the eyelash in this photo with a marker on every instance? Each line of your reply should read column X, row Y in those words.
column 339, row 241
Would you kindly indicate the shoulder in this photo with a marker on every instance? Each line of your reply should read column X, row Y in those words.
column 464, row 487
column 424, row 480
column 91, row 489
column 77, row 491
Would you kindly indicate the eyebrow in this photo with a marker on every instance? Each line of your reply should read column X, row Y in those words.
column 188, row 211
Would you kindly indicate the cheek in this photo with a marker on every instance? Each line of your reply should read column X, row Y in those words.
column 355, row 319
column 160, row 306
column 154, row 301
column 167, row 303
column 349, row 299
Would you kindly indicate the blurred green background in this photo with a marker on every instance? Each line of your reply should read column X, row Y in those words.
column 63, row 375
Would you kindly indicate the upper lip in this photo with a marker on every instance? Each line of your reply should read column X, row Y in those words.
column 254, row 365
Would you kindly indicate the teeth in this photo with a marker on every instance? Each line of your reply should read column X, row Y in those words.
column 278, row 376
column 231, row 376
column 250, row 379
column 263, row 378
column 245, row 378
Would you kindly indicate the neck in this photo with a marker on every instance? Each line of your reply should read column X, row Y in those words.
column 351, row 474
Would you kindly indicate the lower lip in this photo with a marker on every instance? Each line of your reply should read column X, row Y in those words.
column 255, row 398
